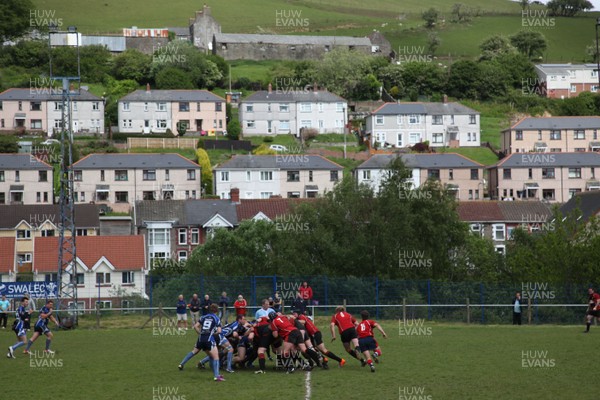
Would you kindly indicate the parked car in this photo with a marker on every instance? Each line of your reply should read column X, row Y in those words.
column 49, row 142
column 278, row 147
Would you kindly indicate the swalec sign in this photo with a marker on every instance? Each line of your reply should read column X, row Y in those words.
column 33, row 289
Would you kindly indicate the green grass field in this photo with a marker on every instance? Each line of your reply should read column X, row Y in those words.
column 440, row 361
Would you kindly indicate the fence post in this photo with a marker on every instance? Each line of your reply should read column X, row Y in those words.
column 377, row 298
column 528, row 310
column 344, row 304
column 404, row 309
column 326, row 291
column 160, row 314
column 468, row 312
column 151, row 286
column 428, row 299
column 482, row 303
column 97, row 315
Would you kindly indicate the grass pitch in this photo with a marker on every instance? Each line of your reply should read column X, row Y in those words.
column 440, row 361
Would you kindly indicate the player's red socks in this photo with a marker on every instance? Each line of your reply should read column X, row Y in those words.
column 377, row 352
column 261, row 361
column 370, row 362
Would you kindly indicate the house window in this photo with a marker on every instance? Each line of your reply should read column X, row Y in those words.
column 120, row 175
column 500, row 249
column 77, row 176
column 548, row 194
column 333, row 176
column 573, row 88
column 548, row 173
column 161, row 123
column 320, row 107
column 95, row 106
column 167, row 195
column 476, row 228
column 218, row 106
column 81, row 232
column 48, row 233
column 182, row 255
column 36, row 124
column 413, row 119
column 149, row 195
column 266, row 176
column 399, row 141
column 555, row 135
column 579, row 134
column 195, row 236
column 305, row 123
column 23, row 234
column 305, row 107
column 293, row 176
column 1, row 176
column 184, row 106
column 149, row 174
column 224, row 176
column 573, row 192
column 293, row 195
column 102, row 175
column 474, row 174
column 498, row 231
column 310, row 176
column 339, row 107
column 17, row 176
column 433, row 174
column 42, row 176
column 158, row 237
column 414, row 138
column 539, row 135
column 182, row 236
column 438, row 138
column 451, row 174
column 437, row 120
column 2, row 198
column 250, row 124
column 248, row 176
column 266, row 195
column 366, row 175
column 125, row 106
column 38, row 197
column 102, row 278
column 161, row 106
column 574, row 173
column 127, row 277
column 249, row 107
column 121, row 197
column 379, row 120
column 284, row 107
column 191, row 174
column 472, row 119
column 24, row 258
column 519, row 135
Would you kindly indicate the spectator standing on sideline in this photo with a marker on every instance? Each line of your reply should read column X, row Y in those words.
column 517, row 308
column 4, row 308
column 306, row 292
column 277, row 303
column 181, row 312
column 223, row 304
column 299, row 304
column 195, row 308
column 205, row 304
column 240, row 305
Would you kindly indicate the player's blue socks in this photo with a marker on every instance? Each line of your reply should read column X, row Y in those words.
column 205, row 360
column 215, row 366
column 29, row 343
column 16, row 346
column 229, row 360
column 48, row 341
column 187, row 357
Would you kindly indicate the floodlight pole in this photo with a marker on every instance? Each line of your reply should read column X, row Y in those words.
column 597, row 54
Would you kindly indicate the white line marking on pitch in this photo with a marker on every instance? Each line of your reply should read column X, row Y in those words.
column 307, row 386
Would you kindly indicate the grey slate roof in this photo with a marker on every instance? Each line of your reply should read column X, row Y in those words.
column 132, row 160
column 532, row 160
column 587, row 202
column 321, row 96
column 43, row 94
column 424, row 108
column 171, row 95
column 520, row 211
column 22, row 161
column 280, row 161
column 563, row 69
column 184, row 212
column 292, row 39
column 415, row 160
column 86, row 215
column 558, row 123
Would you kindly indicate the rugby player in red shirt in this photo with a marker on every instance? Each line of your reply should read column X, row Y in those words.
column 346, row 325
column 593, row 308
column 366, row 339
column 292, row 339
column 316, row 338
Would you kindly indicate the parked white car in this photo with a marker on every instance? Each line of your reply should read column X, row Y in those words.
column 278, row 147
column 49, row 142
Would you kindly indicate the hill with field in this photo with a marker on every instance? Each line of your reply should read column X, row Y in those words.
column 401, row 22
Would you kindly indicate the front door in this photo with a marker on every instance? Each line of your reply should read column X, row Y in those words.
column 146, row 126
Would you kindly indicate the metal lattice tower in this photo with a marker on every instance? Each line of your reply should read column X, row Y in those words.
column 67, row 249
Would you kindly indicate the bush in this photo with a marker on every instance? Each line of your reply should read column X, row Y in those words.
column 200, row 144
column 233, row 129
column 268, row 139
column 309, row 133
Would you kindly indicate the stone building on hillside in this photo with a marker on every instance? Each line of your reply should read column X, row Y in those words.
column 202, row 29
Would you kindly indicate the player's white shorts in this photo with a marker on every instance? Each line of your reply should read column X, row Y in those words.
column 181, row 317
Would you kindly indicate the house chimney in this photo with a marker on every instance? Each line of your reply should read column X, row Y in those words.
column 234, row 195
column 445, row 99
column 315, row 87
column 147, row 88
column 270, row 88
